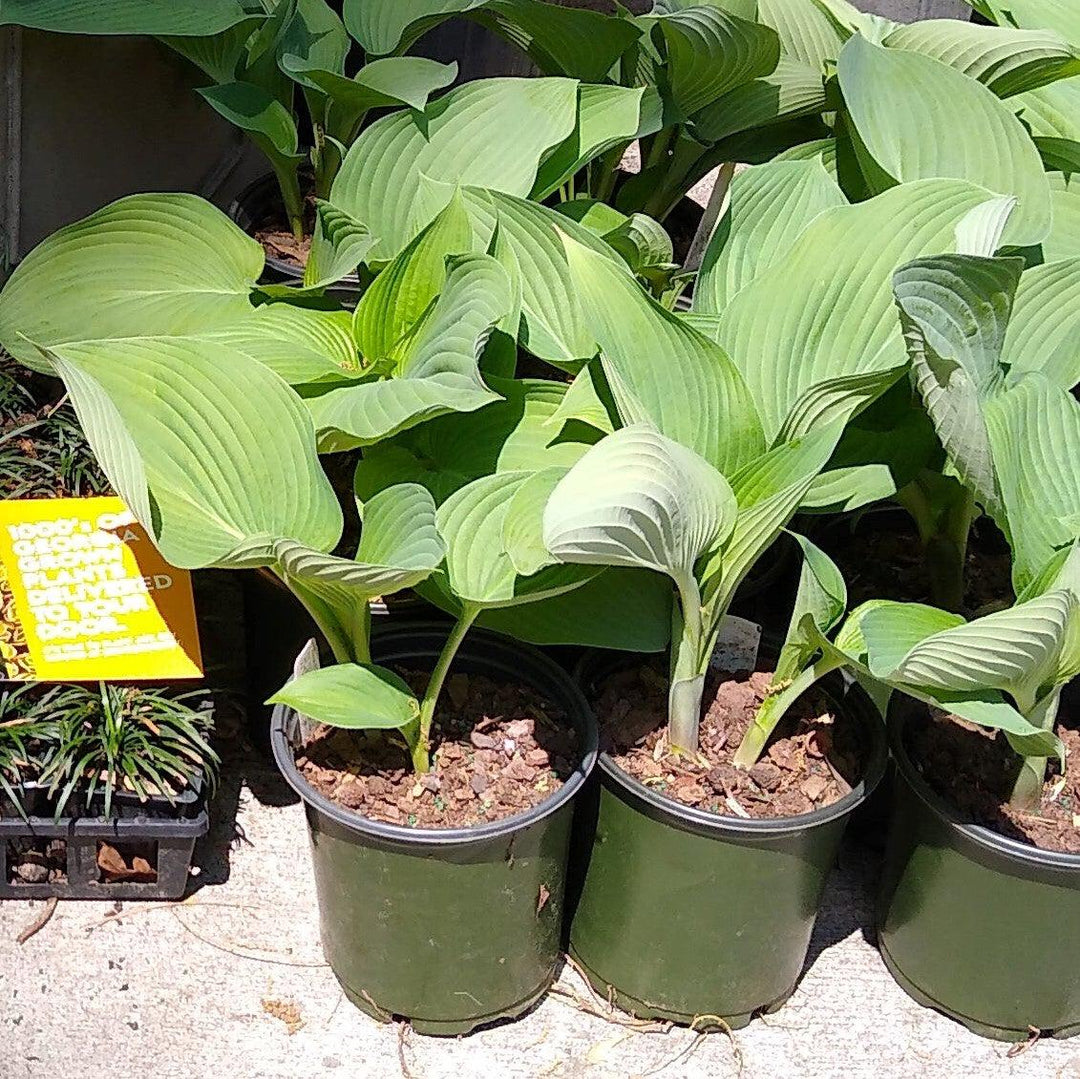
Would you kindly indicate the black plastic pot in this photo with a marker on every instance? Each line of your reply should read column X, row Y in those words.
column 684, row 913
column 260, row 203
column 450, row 928
column 972, row 923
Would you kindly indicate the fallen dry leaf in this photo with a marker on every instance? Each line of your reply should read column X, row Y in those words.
column 114, row 868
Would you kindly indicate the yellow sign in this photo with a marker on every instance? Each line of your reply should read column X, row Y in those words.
column 86, row 596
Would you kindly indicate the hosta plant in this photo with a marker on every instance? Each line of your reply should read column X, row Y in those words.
column 782, row 364
column 1004, row 671
column 989, row 346
column 203, row 407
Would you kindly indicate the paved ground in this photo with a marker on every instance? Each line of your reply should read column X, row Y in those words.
column 183, row 992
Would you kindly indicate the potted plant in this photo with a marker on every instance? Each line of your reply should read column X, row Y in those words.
column 223, row 470
column 663, row 502
column 991, row 812
column 104, row 791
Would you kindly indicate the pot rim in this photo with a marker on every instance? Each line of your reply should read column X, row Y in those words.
column 854, row 698
column 239, row 205
column 978, row 834
column 452, row 837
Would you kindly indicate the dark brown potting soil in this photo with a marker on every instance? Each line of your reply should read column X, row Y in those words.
column 500, row 749
column 882, row 558
column 974, row 769
column 813, row 760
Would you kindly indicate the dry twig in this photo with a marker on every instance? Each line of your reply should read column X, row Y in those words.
column 1034, row 1034
column 39, row 922
column 402, row 1041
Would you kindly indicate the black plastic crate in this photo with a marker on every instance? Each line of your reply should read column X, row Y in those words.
column 33, row 801
column 127, row 805
column 73, row 843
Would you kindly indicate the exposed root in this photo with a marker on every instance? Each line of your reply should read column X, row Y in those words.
column 402, row 1042
column 1034, row 1034
column 241, row 953
column 605, row 1010
column 39, row 923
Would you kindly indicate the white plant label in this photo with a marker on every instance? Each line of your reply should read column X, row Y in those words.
column 737, row 645
column 306, row 662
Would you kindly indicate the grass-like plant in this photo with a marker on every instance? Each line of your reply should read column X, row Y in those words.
column 120, row 738
column 43, row 451
column 27, row 730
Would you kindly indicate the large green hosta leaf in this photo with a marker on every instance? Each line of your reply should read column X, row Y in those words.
column 770, row 207
column 1059, row 15
column 1008, row 61
column 386, row 83
column 792, row 90
column 640, row 499
column 402, row 292
column 554, row 326
column 144, row 265
column 1064, row 239
column 386, row 26
column 399, row 547
column 437, row 368
column 1035, row 433
column 301, row 345
column 561, row 41
column 492, row 133
column 211, row 450
column 339, row 244
column 954, row 310
column 806, row 32
column 1044, row 331
column 656, row 363
column 1012, row 650
column 164, row 266
column 182, row 17
column 795, row 326
column 480, row 571
column 219, row 55
column 608, row 116
column 314, row 37
column 258, row 112
column 896, row 639
column 1052, row 111
column 710, row 52
column 967, row 133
